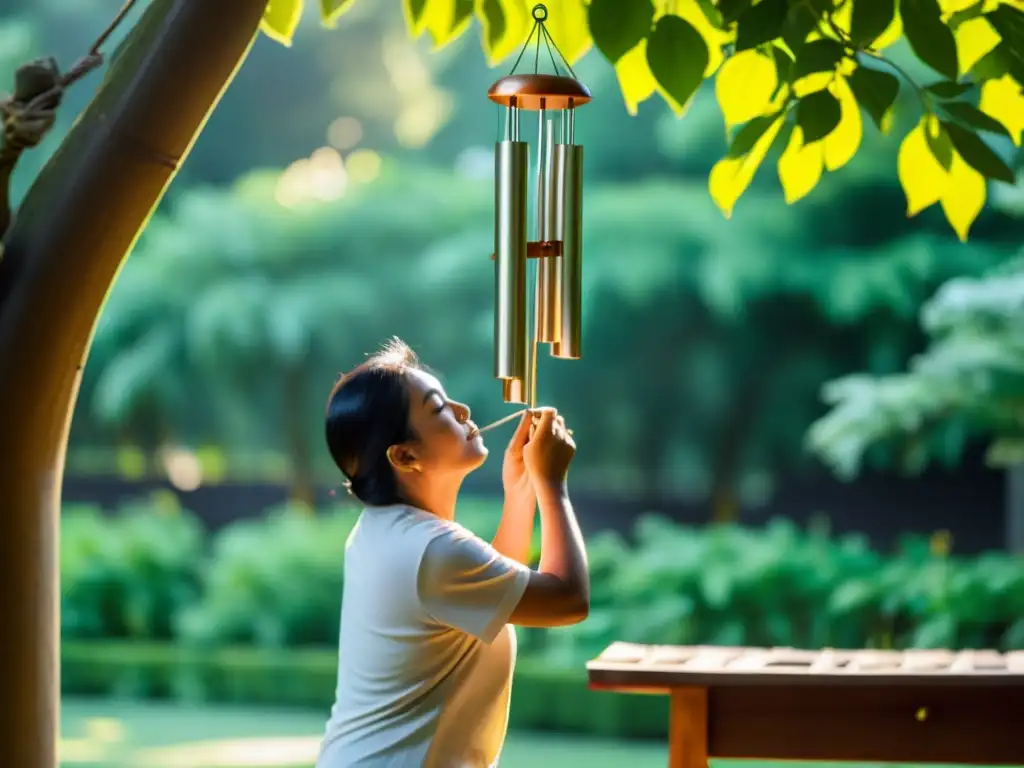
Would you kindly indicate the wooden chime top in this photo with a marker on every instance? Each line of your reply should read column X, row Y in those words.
column 538, row 91
column 534, row 92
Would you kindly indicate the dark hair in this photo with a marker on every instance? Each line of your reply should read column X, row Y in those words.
column 367, row 413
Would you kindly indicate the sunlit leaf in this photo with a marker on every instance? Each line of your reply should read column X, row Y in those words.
column 731, row 176
column 930, row 39
column 281, row 19
column 332, row 10
column 446, row 20
column 844, row 140
column 677, row 56
column 690, row 11
column 744, row 86
column 1003, row 100
column 818, row 114
column 761, row 23
column 870, row 18
column 567, row 25
column 974, row 39
column 978, row 154
column 635, row 78
column 617, row 26
column 800, row 166
column 504, row 26
column 876, row 91
column 963, row 197
column 799, row 23
column 415, row 12
column 921, row 175
column 971, row 116
column 954, row 6
column 817, row 56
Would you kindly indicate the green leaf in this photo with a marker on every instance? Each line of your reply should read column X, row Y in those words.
column 931, row 40
column 783, row 65
column 492, row 18
column 617, row 26
column 875, row 91
column 941, row 146
column 959, row 17
column 1009, row 23
column 332, row 10
column 818, row 114
column 975, row 118
column 817, row 56
column 747, row 136
column 946, row 89
column 870, row 19
column 712, row 13
column 797, row 26
column 731, row 9
column 415, row 16
column 446, row 20
column 677, row 56
column 977, row 154
column 761, row 23
column 281, row 19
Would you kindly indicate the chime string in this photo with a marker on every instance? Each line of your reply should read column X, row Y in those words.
column 526, row 45
column 551, row 41
column 547, row 44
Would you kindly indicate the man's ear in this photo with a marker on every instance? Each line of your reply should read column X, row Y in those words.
column 402, row 459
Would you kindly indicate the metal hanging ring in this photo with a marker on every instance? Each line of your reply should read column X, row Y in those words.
column 540, row 12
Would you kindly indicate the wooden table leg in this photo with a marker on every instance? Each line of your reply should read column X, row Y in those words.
column 688, row 728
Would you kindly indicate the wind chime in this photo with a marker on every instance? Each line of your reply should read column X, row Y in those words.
column 556, row 253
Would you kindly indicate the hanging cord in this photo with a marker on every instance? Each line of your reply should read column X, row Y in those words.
column 540, row 15
column 31, row 111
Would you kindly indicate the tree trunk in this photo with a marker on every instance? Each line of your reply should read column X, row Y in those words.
column 62, row 254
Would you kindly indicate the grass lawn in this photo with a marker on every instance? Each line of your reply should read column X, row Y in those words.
column 101, row 733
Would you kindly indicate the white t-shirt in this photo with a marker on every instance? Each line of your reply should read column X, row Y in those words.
column 426, row 651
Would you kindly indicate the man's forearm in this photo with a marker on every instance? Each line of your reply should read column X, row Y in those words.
column 563, row 553
column 514, row 538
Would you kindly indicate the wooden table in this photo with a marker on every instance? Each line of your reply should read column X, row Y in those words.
column 788, row 704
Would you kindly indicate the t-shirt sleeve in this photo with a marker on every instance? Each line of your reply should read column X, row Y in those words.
column 465, row 583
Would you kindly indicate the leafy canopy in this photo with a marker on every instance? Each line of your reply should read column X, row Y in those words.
column 969, row 382
column 799, row 74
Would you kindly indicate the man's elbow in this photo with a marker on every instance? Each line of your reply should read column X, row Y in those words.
column 579, row 610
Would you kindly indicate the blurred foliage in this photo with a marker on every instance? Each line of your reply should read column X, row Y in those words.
column 129, row 575
column 236, row 305
column 277, row 583
column 250, row 291
column 787, row 72
column 783, row 587
column 968, row 383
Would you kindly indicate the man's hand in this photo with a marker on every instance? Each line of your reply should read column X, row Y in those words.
column 514, row 477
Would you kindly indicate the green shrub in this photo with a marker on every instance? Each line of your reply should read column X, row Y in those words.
column 276, row 582
column 726, row 585
column 128, row 575
column 273, row 582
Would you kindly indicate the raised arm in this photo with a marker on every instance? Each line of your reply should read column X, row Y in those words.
column 558, row 593
column 514, row 537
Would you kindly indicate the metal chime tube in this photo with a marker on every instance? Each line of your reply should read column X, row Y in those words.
column 549, row 270
column 568, row 172
column 511, row 167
